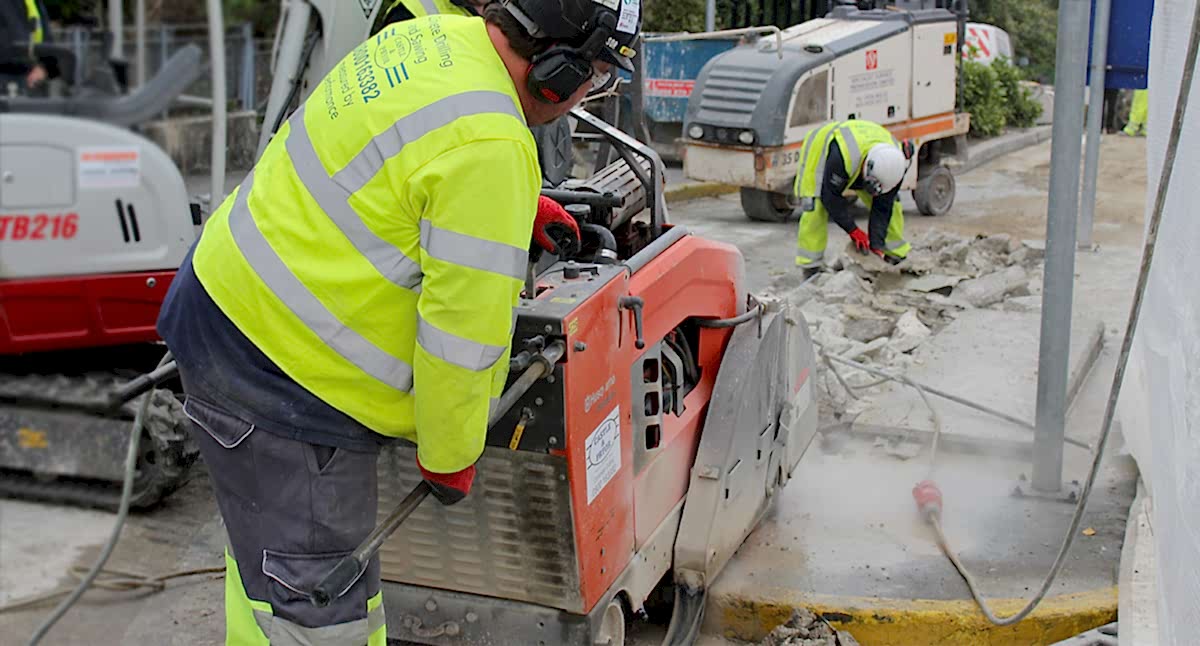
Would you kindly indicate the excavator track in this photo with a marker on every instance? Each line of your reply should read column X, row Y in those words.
column 60, row 444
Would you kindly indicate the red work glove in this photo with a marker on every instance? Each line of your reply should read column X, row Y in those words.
column 449, row 488
column 554, row 229
column 861, row 243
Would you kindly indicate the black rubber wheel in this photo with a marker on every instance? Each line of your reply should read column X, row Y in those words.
column 934, row 193
column 765, row 206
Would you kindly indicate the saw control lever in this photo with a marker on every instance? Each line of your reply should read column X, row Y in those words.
column 636, row 304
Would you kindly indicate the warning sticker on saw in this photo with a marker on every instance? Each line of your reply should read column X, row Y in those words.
column 603, row 450
column 110, row 167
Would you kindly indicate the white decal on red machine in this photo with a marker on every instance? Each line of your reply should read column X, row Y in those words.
column 110, row 167
column 603, row 451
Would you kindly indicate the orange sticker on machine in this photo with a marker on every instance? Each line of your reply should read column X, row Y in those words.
column 949, row 38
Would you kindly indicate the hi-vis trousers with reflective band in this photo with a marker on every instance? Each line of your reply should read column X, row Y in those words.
column 814, row 232
column 291, row 511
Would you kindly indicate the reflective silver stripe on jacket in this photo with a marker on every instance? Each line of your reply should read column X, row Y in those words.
column 822, row 157
column 278, row 278
column 430, row 8
column 411, row 127
column 454, row 349
column 332, row 194
column 476, row 253
column 894, row 244
column 852, row 149
column 332, row 198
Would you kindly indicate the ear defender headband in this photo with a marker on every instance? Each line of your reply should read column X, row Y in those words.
column 558, row 72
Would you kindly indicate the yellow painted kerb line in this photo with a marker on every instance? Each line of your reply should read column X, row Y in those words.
column 921, row 622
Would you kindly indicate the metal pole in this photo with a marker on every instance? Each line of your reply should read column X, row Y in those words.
column 288, row 62
column 248, row 76
column 710, row 15
column 80, row 54
column 116, row 27
column 1095, row 117
column 1058, row 285
column 139, row 35
column 216, row 56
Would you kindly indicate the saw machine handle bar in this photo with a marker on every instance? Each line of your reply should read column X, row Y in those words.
column 567, row 197
column 350, row 567
column 142, row 384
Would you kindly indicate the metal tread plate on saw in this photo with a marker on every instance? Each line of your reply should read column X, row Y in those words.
column 53, row 448
column 512, row 538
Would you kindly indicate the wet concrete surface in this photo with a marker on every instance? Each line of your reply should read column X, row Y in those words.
column 37, row 542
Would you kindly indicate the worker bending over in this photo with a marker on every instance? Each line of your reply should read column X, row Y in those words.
column 857, row 155
column 359, row 286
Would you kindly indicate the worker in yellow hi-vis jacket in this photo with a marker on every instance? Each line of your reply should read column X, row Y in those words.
column 359, row 285
column 857, row 155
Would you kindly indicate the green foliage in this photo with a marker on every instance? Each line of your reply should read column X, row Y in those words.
column 1031, row 24
column 994, row 96
column 673, row 15
column 984, row 98
column 72, row 11
column 263, row 15
column 1023, row 110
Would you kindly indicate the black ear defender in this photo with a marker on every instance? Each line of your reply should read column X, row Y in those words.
column 559, row 72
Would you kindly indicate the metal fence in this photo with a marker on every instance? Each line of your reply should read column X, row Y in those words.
column 734, row 14
column 246, row 59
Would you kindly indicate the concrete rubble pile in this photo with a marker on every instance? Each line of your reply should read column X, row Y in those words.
column 805, row 628
column 864, row 309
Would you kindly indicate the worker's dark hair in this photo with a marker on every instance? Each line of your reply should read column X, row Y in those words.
column 522, row 43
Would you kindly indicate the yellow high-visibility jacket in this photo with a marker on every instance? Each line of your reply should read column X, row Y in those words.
column 376, row 251
column 854, row 137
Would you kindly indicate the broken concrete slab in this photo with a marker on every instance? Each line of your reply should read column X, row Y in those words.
column 929, row 282
column 909, row 332
column 806, row 628
column 843, row 287
column 864, row 324
column 992, row 288
column 1023, row 304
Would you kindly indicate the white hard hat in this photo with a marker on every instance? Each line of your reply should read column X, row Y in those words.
column 884, row 168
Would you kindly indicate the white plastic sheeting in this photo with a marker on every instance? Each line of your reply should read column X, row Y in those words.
column 1160, row 405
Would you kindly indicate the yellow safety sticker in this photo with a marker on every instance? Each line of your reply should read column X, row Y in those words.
column 573, row 326
column 516, row 436
column 31, row 439
column 949, row 38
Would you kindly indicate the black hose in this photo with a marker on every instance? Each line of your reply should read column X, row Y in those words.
column 309, row 46
column 749, row 315
column 607, row 241
column 131, row 458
